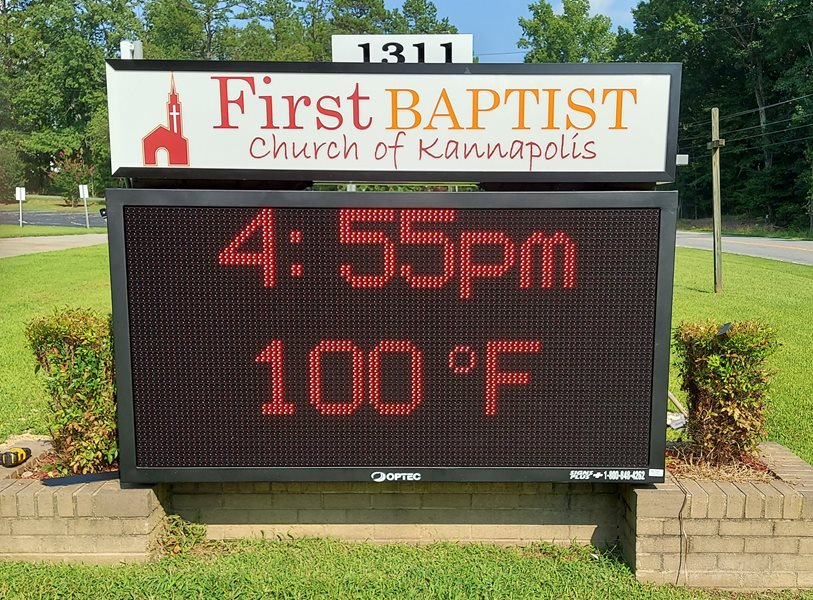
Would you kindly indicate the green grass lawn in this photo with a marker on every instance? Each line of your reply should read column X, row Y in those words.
column 15, row 231
column 330, row 569
column 52, row 204
column 780, row 294
column 32, row 285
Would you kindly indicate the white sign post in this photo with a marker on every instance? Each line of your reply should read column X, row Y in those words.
column 83, row 194
column 439, row 48
column 19, row 193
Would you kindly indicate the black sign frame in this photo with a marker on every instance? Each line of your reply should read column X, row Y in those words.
column 118, row 199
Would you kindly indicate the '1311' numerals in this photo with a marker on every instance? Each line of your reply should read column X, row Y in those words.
column 367, row 374
column 458, row 256
column 396, row 51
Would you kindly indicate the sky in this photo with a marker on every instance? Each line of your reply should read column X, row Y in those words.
column 494, row 25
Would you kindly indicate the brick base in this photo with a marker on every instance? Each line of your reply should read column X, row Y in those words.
column 504, row 513
column 695, row 533
column 94, row 522
column 724, row 535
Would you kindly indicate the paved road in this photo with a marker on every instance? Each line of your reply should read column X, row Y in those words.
column 65, row 219
column 46, row 243
column 795, row 251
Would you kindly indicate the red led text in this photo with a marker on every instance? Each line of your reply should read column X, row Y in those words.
column 266, row 258
column 543, row 260
column 367, row 375
column 495, row 377
column 412, row 232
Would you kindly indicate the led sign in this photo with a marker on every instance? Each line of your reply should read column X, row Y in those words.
column 384, row 337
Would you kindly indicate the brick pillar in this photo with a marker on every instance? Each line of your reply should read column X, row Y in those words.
column 96, row 522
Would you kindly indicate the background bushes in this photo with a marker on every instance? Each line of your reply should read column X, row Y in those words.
column 74, row 348
column 722, row 370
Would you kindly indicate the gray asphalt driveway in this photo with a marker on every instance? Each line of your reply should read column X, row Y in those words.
column 64, row 219
column 795, row 251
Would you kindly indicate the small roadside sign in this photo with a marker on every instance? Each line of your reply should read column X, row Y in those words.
column 19, row 193
column 83, row 194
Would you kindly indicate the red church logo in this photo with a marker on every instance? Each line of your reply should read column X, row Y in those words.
column 169, row 138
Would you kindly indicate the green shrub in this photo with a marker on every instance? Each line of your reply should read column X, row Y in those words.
column 70, row 170
column 74, row 348
column 722, row 368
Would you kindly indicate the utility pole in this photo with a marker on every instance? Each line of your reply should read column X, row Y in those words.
column 715, row 145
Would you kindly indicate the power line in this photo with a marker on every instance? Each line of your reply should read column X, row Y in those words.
column 758, row 126
column 725, row 134
column 693, row 124
column 693, row 150
column 501, row 53
column 702, row 150
column 782, row 143
column 753, row 110
column 750, row 137
column 747, row 112
column 696, row 137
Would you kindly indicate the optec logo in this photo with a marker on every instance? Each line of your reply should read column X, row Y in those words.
column 380, row 476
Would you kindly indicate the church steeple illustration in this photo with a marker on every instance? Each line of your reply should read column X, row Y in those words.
column 174, row 109
column 169, row 137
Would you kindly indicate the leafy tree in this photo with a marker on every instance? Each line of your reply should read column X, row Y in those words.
column 753, row 59
column 191, row 29
column 11, row 172
column 284, row 34
column 215, row 16
column 359, row 16
column 12, row 57
column 573, row 36
column 252, row 42
column 174, row 30
column 60, row 49
column 69, row 172
column 97, row 150
column 419, row 16
column 315, row 18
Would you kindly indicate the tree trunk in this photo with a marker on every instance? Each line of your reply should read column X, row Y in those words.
column 759, row 94
column 209, row 36
column 810, row 216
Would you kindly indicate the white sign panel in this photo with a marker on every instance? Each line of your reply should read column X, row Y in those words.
column 19, row 194
column 83, row 191
column 437, row 48
column 538, row 123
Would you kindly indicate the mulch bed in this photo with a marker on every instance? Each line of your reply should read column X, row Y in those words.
column 44, row 467
column 682, row 461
